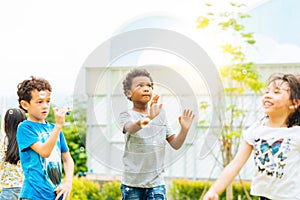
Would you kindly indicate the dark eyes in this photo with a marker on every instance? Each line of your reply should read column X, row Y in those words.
column 141, row 85
column 276, row 91
column 39, row 102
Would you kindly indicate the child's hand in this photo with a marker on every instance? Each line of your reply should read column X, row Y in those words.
column 154, row 107
column 59, row 114
column 186, row 119
column 210, row 195
column 63, row 191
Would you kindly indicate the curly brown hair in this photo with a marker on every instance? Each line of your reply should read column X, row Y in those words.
column 27, row 86
column 136, row 72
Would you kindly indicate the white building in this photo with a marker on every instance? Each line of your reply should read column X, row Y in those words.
column 179, row 86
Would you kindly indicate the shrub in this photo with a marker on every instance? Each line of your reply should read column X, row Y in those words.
column 184, row 189
column 91, row 190
column 111, row 190
column 85, row 190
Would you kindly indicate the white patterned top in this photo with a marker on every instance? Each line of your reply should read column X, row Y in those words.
column 11, row 175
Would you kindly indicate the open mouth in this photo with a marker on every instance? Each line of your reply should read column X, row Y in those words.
column 267, row 103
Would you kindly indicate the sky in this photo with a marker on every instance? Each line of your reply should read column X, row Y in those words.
column 52, row 39
column 277, row 30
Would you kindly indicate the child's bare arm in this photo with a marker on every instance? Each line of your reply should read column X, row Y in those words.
column 155, row 108
column 132, row 127
column 230, row 172
column 65, row 188
column 185, row 121
column 45, row 149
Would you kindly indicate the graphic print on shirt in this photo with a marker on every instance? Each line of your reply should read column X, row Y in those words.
column 270, row 156
column 52, row 164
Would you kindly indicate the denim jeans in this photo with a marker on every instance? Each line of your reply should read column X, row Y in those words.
column 10, row 193
column 263, row 198
column 134, row 193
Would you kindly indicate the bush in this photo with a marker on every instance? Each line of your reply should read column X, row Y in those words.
column 85, row 190
column 184, row 189
column 91, row 190
column 111, row 190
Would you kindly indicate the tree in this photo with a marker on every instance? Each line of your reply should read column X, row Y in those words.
column 75, row 134
column 238, row 76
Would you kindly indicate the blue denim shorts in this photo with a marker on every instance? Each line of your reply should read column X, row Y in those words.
column 10, row 193
column 134, row 193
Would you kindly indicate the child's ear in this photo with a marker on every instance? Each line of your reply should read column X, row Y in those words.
column 24, row 104
column 295, row 105
column 128, row 93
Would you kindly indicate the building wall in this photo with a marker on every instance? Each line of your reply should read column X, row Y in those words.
column 106, row 100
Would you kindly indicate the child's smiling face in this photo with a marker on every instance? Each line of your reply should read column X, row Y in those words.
column 277, row 98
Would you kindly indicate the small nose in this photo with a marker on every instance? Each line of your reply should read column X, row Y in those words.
column 146, row 88
column 45, row 104
column 267, row 95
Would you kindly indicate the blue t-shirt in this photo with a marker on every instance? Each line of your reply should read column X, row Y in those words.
column 42, row 175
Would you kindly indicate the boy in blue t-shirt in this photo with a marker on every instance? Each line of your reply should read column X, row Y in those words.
column 42, row 145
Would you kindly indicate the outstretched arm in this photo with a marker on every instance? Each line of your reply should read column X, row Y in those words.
column 185, row 121
column 65, row 188
column 230, row 172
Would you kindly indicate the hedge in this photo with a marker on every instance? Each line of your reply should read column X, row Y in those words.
column 83, row 189
column 179, row 189
column 185, row 189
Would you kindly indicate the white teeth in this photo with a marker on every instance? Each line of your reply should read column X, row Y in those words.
column 267, row 104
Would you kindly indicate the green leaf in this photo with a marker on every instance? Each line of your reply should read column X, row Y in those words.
column 243, row 16
column 203, row 22
column 203, row 105
column 251, row 41
column 239, row 27
column 247, row 35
